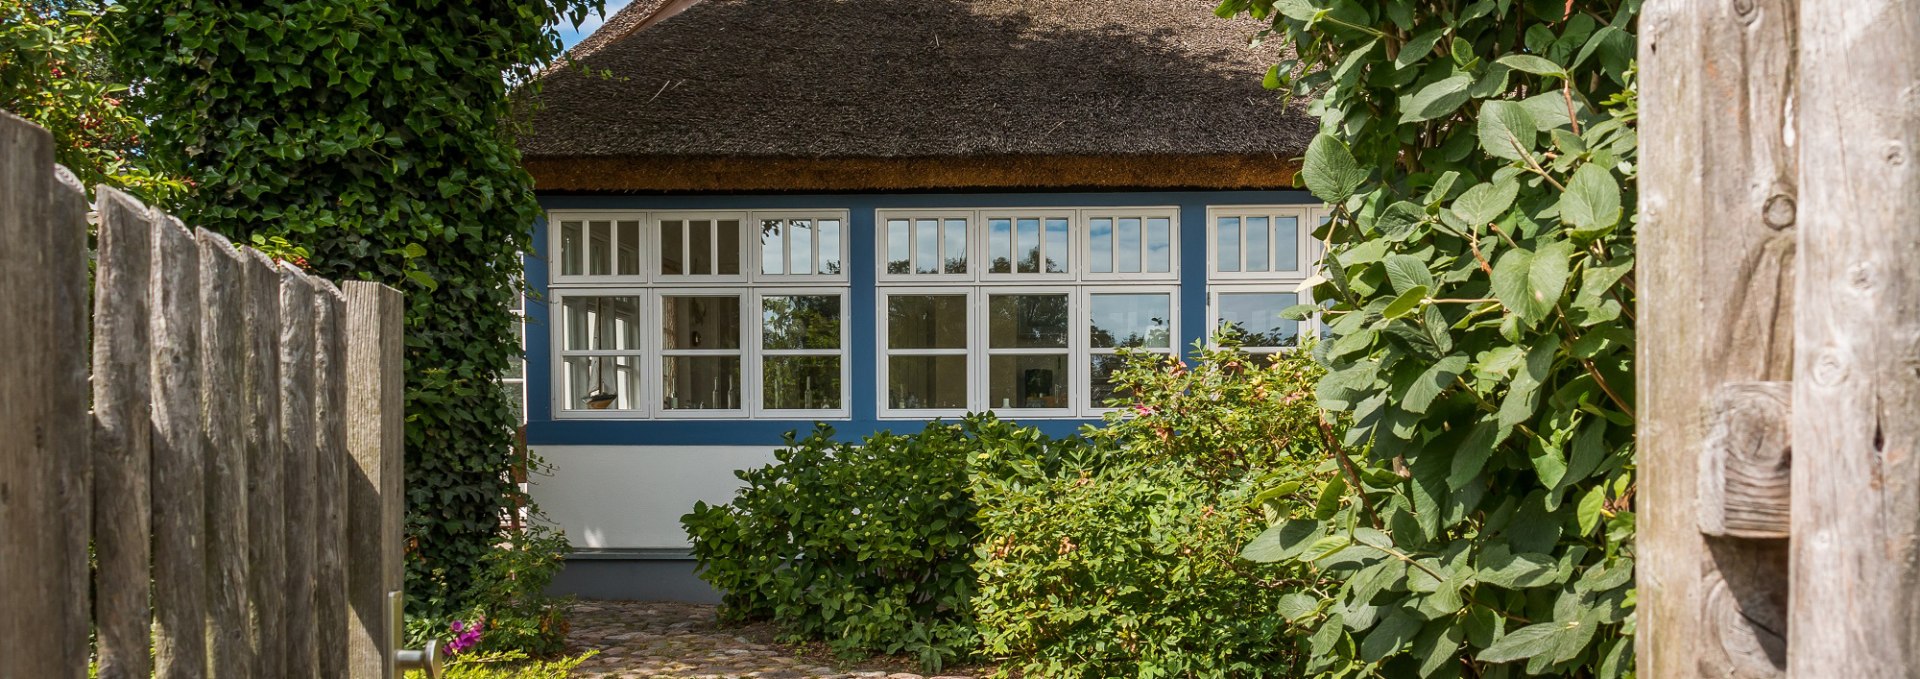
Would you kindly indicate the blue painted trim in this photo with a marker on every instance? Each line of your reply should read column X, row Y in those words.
column 543, row 429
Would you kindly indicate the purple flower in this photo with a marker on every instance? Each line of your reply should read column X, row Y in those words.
column 465, row 636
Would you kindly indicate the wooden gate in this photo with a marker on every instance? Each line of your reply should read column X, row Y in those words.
column 222, row 432
column 1779, row 364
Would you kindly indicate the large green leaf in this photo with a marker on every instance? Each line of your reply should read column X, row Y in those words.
column 1523, row 643
column 1435, row 100
column 1592, row 201
column 1507, row 130
column 1330, row 171
column 1485, row 202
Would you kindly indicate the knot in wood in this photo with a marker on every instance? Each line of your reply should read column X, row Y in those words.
column 1779, row 211
column 1895, row 154
column 1830, row 368
column 1745, row 469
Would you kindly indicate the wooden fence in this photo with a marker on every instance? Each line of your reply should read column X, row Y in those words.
column 231, row 452
column 1779, row 368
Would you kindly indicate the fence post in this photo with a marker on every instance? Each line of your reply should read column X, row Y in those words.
column 122, row 436
column 1717, row 185
column 376, row 439
column 330, row 479
column 266, row 528
column 1856, row 424
column 32, row 541
column 179, row 464
column 75, row 468
column 297, row 442
column 223, row 338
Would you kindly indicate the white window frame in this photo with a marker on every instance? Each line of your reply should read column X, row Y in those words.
column 1088, row 351
column 883, row 232
column 981, row 362
column 651, row 284
column 1308, row 327
column 884, row 352
column 656, row 236
column 557, row 255
column 985, row 234
column 761, row 353
column 519, row 313
column 558, row 361
column 1305, row 260
column 812, row 278
column 1084, row 233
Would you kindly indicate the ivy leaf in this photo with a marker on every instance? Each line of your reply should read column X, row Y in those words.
column 1485, row 202
column 1435, row 100
column 1591, row 203
column 1330, row 171
column 422, row 279
column 1507, row 130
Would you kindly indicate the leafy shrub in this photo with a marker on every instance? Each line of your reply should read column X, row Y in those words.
column 1119, row 556
column 507, row 665
column 1480, row 159
column 864, row 546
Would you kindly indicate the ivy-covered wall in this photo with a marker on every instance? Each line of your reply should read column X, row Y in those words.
column 377, row 136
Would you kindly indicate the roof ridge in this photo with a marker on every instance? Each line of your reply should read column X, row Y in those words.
column 629, row 20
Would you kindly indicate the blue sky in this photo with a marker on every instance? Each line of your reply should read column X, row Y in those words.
column 571, row 35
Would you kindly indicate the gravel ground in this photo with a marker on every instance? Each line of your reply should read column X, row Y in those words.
column 687, row 641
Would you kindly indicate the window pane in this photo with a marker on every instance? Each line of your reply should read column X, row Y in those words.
column 899, row 241
column 801, row 382
column 800, row 322
column 830, row 246
column 602, row 383
column 1256, row 317
column 956, row 252
column 1286, row 244
column 729, row 247
column 701, row 383
column 1027, row 321
column 1159, row 244
column 1000, row 246
column 802, row 249
column 1029, row 246
column 927, row 321
column 601, row 323
column 1100, row 232
column 1027, row 381
column 1103, row 368
column 1127, row 243
column 516, row 392
column 773, row 246
column 570, row 246
column 629, row 258
column 926, row 381
column 1057, row 249
column 926, row 246
column 672, row 249
column 1226, row 245
column 700, row 322
column 1257, row 247
column 700, row 248
column 1133, row 320
column 599, row 248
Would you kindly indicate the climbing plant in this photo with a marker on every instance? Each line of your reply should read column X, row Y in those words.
column 1478, row 290
column 375, row 134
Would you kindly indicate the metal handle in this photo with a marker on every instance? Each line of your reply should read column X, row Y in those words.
column 426, row 660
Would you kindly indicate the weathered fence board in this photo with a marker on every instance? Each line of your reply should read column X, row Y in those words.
column 297, row 442
column 31, row 542
column 266, row 526
column 1716, row 250
column 216, row 477
column 1856, row 420
column 122, row 443
column 179, row 467
column 376, row 438
column 223, row 338
column 330, row 479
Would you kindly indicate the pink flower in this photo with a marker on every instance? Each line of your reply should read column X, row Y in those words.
column 465, row 635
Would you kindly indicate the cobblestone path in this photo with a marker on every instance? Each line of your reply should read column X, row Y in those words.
column 686, row 641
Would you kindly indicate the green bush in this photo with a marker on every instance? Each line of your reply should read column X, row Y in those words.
column 1119, row 556
column 864, row 546
column 1480, row 159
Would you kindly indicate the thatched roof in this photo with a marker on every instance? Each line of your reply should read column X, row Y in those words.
column 914, row 94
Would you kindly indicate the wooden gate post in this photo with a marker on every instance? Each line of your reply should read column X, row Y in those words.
column 1856, row 426
column 1716, row 246
column 376, row 439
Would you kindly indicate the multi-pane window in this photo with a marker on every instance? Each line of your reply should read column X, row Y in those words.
column 1019, row 311
column 1258, row 260
column 693, row 316
column 514, row 380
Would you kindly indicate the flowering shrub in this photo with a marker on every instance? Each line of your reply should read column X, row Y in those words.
column 1120, row 557
column 466, row 635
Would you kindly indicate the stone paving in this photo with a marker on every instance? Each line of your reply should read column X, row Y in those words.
column 687, row 641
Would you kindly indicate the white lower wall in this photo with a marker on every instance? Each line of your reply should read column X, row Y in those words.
column 634, row 496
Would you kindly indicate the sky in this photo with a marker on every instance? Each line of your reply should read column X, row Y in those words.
column 571, row 35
